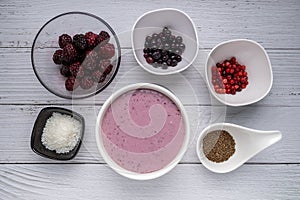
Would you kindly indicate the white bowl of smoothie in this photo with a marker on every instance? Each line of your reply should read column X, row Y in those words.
column 142, row 131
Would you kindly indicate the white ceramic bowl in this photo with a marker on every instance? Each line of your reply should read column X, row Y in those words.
column 153, row 22
column 258, row 67
column 248, row 141
column 112, row 163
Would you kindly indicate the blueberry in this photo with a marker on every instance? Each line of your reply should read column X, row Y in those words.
column 172, row 38
column 148, row 38
column 165, row 29
column 163, row 39
column 165, row 58
column 156, row 55
column 166, row 46
column 174, row 63
column 164, row 52
column 160, row 61
column 154, row 36
column 146, row 50
column 178, row 51
column 178, row 58
column 153, row 49
column 181, row 47
column 164, row 65
column 178, row 39
column 147, row 44
column 153, row 42
column 169, row 62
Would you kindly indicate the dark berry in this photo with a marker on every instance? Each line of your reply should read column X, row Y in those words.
column 96, row 75
column 71, row 83
column 146, row 50
column 86, row 82
column 166, row 46
column 169, row 62
column 80, row 42
column 103, row 65
column 147, row 44
column 65, row 71
column 178, row 58
column 165, row 58
column 154, row 36
column 148, row 39
column 70, row 54
column 74, row 68
column 107, row 51
column 108, row 69
column 91, row 40
column 57, row 56
column 165, row 30
column 149, row 60
column 156, row 55
column 174, row 63
column 102, row 78
column 90, row 61
column 164, row 52
column 103, row 37
column 64, row 39
column 178, row 39
column 181, row 47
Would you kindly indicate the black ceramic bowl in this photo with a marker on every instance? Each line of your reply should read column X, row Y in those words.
column 36, row 137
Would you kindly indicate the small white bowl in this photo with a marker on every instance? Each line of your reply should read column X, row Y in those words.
column 248, row 142
column 153, row 22
column 258, row 67
column 130, row 174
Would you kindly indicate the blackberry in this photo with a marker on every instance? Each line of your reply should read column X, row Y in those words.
column 91, row 39
column 80, row 42
column 64, row 39
column 107, row 51
column 71, row 83
column 103, row 65
column 65, row 71
column 70, row 54
column 57, row 56
column 74, row 68
column 90, row 61
column 108, row 69
column 96, row 75
column 103, row 38
column 86, row 82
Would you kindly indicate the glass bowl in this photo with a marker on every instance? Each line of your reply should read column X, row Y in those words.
column 46, row 43
column 36, row 136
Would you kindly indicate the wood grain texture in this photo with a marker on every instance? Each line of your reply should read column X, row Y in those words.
column 95, row 181
column 20, row 86
column 16, row 149
column 274, row 24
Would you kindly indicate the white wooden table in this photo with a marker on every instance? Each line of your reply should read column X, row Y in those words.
column 272, row 174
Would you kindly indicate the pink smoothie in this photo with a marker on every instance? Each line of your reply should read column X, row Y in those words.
column 142, row 130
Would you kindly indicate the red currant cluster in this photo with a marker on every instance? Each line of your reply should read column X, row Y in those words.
column 229, row 77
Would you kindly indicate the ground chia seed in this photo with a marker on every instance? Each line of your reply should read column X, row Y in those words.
column 218, row 146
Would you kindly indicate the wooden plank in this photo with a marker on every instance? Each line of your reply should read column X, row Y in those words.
column 216, row 21
column 92, row 181
column 20, row 86
column 16, row 124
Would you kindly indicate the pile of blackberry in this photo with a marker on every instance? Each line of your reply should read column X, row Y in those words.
column 163, row 49
column 84, row 59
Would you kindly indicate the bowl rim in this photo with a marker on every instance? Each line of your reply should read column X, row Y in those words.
column 245, row 103
column 48, row 111
column 115, row 166
column 165, row 72
column 96, row 91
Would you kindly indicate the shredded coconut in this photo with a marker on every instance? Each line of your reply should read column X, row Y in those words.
column 61, row 133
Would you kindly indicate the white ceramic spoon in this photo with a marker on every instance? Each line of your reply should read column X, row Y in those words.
column 248, row 141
